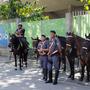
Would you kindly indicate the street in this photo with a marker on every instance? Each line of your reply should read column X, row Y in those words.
column 30, row 78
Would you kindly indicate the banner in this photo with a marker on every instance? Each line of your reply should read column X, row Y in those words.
column 3, row 36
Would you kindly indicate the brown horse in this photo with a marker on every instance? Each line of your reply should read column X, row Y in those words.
column 63, row 55
column 77, row 42
column 85, row 54
column 19, row 50
column 35, row 44
column 71, row 56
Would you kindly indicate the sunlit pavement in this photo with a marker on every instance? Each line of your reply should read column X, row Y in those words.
column 30, row 78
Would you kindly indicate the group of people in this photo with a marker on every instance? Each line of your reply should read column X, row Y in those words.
column 49, row 51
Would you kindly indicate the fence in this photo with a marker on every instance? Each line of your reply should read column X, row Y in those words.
column 33, row 29
column 81, row 23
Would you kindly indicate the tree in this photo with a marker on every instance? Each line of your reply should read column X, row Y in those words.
column 87, row 4
column 27, row 11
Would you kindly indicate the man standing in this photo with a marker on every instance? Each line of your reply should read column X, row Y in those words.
column 42, row 46
column 53, row 56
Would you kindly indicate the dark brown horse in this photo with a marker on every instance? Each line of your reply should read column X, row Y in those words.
column 71, row 56
column 18, row 49
column 77, row 42
column 63, row 55
column 85, row 54
column 35, row 44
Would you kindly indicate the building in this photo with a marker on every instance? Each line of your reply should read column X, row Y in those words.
column 58, row 8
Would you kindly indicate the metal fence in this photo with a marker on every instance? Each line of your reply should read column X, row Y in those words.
column 81, row 23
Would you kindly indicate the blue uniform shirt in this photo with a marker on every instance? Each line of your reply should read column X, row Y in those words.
column 56, row 45
column 45, row 46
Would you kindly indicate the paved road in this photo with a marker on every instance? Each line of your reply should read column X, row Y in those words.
column 30, row 78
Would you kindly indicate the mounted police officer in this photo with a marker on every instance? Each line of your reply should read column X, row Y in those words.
column 20, row 34
column 42, row 46
column 53, row 56
column 20, row 31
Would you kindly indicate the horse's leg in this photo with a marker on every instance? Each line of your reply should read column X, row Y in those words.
column 82, row 68
column 70, row 63
column 64, row 60
column 37, row 57
column 82, row 72
column 15, row 62
column 87, row 80
column 20, row 62
column 73, row 61
column 25, row 59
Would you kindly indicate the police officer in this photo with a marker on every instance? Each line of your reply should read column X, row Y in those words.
column 42, row 46
column 20, row 34
column 20, row 31
column 53, row 56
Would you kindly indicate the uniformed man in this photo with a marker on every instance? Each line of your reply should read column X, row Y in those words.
column 20, row 34
column 53, row 56
column 42, row 46
column 20, row 31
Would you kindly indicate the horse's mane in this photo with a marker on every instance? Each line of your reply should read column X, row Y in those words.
column 63, row 40
column 79, row 38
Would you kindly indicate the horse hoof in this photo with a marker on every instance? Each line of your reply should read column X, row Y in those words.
column 69, row 76
column 87, row 80
column 15, row 68
column 72, row 78
column 64, row 70
column 80, row 79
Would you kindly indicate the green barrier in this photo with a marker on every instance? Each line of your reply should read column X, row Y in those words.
column 35, row 28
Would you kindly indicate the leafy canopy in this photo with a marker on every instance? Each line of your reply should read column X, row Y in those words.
column 27, row 11
column 87, row 4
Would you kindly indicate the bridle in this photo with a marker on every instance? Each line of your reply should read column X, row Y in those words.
column 86, row 47
column 69, row 44
column 14, row 47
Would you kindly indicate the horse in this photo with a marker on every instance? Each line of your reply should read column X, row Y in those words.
column 18, row 49
column 85, row 54
column 35, row 45
column 76, row 42
column 70, row 56
column 63, row 55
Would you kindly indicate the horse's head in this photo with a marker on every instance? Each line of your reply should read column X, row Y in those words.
column 86, row 46
column 11, row 39
column 69, row 42
column 35, row 43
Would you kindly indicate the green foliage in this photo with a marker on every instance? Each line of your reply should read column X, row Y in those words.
column 27, row 11
column 87, row 4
